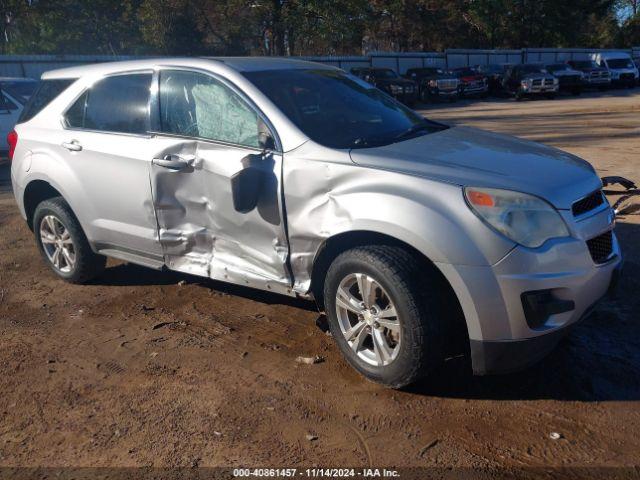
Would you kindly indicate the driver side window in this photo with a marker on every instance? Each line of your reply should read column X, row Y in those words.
column 196, row 105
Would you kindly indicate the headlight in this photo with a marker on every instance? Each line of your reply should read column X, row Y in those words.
column 395, row 89
column 523, row 218
column 555, row 80
column 525, row 83
column 433, row 83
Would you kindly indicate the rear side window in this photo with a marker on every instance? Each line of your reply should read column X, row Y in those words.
column 115, row 104
column 46, row 92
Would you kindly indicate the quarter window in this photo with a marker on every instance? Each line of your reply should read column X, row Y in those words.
column 46, row 92
column 115, row 104
column 6, row 105
column 196, row 105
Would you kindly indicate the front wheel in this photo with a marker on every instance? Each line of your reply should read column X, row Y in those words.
column 63, row 244
column 384, row 314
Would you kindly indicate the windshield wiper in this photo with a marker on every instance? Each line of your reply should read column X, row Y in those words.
column 419, row 127
column 368, row 142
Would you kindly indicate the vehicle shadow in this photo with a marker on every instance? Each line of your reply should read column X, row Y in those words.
column 599, row 360
column 127, row 274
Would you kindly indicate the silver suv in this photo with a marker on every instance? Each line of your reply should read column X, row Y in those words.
column 420, row 241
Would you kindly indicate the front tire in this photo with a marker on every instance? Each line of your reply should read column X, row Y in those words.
column 63, row 244
column 385, row 314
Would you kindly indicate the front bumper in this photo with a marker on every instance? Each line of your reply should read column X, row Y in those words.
column 469, row 91
column 625, row 79
column 496, row 357
column 540, row 89
column 436, row 92
column 597, row 81
column 502, row 337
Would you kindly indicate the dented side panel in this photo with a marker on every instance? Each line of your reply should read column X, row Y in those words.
column 326, row 194
column 199, row 229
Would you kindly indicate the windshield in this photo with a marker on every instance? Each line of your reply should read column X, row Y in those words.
column 491, row 68
column 465, row 72
column 558, row 67
column 532, row 69
column 585, row 64
column 619, row 63
column 339, row 110
column 384, row 73
column 21, row 91
column 424, row 72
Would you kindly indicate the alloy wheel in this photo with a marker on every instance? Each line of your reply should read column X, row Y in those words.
column 57, row 244
column 368, row 319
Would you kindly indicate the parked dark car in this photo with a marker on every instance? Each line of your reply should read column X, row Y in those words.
column 402, row 89
column 494, row 73
column 595, row 76
column 530, row 80
column 434, row 83
column 472, row 83
column 569, row 79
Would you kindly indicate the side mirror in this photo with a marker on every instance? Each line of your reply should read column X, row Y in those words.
column 246, row 185
column 266, row 141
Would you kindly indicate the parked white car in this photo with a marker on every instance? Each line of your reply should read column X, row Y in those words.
column 14, row 93
column 621, row 67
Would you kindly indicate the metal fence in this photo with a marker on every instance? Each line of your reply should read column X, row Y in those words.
column 34, row 65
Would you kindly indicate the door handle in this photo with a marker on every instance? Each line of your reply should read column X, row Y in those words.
column 175, row 161
column 72, row 146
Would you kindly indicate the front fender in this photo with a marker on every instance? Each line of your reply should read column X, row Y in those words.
column 328, row 198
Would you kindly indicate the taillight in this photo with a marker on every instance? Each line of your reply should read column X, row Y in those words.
column 12, row 140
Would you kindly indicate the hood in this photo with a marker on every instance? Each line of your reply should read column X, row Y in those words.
column 394, row 81
column 471, row 157
column 567, row 73
column 535, row 76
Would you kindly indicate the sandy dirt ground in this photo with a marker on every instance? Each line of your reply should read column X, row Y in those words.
column 138, row 370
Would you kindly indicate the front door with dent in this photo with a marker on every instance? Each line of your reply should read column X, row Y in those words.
column 205, row 131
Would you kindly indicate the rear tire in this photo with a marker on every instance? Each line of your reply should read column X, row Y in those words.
column 63, row 244
column 394, row 350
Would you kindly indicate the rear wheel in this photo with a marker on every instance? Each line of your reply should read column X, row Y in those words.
column 384, row 314
column 62, row 243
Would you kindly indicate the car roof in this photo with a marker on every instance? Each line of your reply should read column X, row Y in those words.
column 239, row 64
column 17, row 79
column 612, row 55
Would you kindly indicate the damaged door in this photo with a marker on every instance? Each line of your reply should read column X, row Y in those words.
column 208, row 135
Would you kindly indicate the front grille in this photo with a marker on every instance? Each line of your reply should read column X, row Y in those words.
column 548, row 82
column 587, row 203
column 600, row 247
column 537, row 82
column 447, row 84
